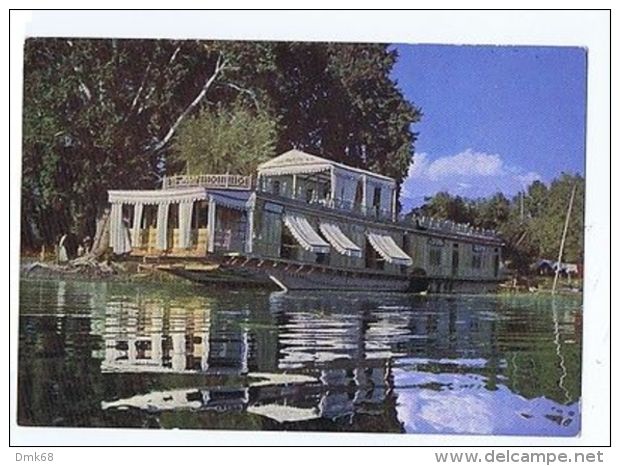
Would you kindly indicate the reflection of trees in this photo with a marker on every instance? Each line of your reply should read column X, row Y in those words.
column 550, row 366
column 57, row 385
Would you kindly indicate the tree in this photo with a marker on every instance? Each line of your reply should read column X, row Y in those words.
column 444, row 205
column 494, row 212
column 225, row 140
column 547, row 228
column 535, row 202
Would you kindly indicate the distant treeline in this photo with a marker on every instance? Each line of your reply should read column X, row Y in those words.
column 109, row 114
column 530, row 223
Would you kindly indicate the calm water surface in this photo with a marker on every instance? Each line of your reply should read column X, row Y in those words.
column 183, row 356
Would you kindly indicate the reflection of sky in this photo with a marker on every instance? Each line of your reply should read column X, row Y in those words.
column 460, row 404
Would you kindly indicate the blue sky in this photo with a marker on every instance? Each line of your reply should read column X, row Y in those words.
column 495, row 118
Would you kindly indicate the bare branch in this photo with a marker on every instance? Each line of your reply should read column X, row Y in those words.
column 220, row 65
column 84, row 88
column 251, row 93
column 139, row 91
column 174, row 54
column 81, row 86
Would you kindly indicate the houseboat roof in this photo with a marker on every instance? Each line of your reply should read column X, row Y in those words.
column 298, row 162
column 229, row 198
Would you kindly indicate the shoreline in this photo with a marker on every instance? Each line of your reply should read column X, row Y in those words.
column 134, row 272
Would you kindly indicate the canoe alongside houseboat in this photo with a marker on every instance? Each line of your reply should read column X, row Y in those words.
column 304, row 222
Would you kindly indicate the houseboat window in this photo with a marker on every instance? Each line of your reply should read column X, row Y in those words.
column 434, row 256
column 407, row 244
column 455, row 258
column 173, row 224
column 173, row 217
column 200, row 215
column 372, row 259
column 288, row 245
column 376, row 199
column 275, row 187
column 149, row 216
column 230, row 228
column 476, row 260
column 496, row 263
column 359, row 193
column 322, row 258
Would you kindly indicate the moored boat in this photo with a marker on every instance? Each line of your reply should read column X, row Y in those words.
column 304, row 222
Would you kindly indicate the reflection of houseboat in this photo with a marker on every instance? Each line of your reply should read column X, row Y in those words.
column 304, row 223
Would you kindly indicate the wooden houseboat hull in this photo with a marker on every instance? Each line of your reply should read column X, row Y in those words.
column 248, row 272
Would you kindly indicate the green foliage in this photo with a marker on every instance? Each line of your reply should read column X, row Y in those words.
column 444, row 205
column 531, row 232
column 225, row 140
column 546, row 233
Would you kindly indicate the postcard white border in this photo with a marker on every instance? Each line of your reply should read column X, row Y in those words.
column 589, row 29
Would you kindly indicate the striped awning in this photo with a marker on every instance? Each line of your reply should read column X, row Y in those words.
column 239, row 200
column 388, row 249
column 339, row 240
column 305, row 235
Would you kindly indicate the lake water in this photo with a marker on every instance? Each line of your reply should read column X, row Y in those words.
column 103, row 354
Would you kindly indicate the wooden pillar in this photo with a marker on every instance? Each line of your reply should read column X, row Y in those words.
column 249, row 235
column 332, row 189
column 294, row 186
column 394, row 204
column 364, row 194
column 211, row 226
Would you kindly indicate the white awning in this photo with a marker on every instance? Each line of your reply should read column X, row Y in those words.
column 159, row 196
column 238, row 200
column 293, row 170
column 298, row 162
column 305, row 235
column 388, row 249
column 339, row 240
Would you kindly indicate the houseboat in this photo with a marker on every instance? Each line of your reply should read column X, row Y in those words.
column 302, row 223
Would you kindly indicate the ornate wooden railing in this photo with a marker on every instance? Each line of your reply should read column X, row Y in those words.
column 225, row 181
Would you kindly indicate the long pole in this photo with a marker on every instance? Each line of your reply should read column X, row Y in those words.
column 557, row 269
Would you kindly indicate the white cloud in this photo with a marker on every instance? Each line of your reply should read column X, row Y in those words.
column 468, row 173
column 528, row 178
column 467, row 163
